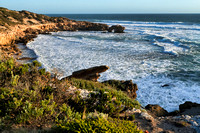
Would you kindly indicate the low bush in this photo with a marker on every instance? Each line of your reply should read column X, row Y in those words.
column 98, row 125
column 31, row 98
column 111, row 92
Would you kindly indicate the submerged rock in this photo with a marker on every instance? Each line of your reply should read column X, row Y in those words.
column 116, row 29
column 127, row 86
column 156, row 110
column 165, row 85
column 89, row 74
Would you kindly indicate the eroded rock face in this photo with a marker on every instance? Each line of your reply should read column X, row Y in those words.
column 89, row 74
column 116, row 29
column 127, row 86
column 156, row 110
column 87, row 26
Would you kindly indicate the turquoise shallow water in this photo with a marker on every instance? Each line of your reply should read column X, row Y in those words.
column 152, row 54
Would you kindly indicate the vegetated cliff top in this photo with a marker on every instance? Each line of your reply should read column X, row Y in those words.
column 10, row 18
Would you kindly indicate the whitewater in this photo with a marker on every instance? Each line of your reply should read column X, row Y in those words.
column 163, row 58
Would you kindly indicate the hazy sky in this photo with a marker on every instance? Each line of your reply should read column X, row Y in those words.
column 104, row 6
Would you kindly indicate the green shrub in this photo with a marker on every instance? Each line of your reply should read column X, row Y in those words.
column 101, row 101
column 132, row 117
column 3, row 67
column 30, row 98
column 8, row 98
column 121, row 97
column 66, row 114
column 98, row 126
column 23, row 69
column 14, row 80
column 36, row 63
column 42, row 71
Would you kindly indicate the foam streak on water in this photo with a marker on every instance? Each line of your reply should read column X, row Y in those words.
column 151, row 54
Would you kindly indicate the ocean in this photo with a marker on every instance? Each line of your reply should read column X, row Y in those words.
column 159, row 52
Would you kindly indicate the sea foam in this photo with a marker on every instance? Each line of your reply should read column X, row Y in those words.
column 160, row 57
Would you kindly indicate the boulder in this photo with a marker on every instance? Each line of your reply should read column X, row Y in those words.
column 116, row 29
column 156, row 110
column 189, row 108
column 89, row 74
column 127, row 86
column 187, row 105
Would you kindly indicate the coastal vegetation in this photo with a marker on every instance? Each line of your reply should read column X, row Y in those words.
column 10, row 18
column 32, row 98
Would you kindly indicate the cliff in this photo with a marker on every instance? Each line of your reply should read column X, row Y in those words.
column 23, row 26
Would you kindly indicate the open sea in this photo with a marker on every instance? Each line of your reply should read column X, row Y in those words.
column 159, row 52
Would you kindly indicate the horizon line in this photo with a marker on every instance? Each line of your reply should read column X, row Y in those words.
column 119, row 13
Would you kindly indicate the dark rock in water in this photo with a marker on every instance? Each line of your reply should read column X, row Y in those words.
column 156, row 110
column 165, row 85
column 116, row 29
column 127, row 86
column 87, row 26
column 189, row 108
column 188, row 105
column 89, row 74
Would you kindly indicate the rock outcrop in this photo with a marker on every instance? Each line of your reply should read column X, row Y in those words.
column 89, row 74
column 189, row 108
column 116, row 29
column 127, row 86
column 156, row 110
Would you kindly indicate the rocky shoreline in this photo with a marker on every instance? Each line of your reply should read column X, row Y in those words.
column 24, row 34
column 154, row 119
column 23, row 26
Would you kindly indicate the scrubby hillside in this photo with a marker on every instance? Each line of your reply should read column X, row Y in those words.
column 32, row 99
column 10, row 18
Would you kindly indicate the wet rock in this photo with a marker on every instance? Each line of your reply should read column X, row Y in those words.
column 127, row 86
column 187, row 105
column 189, row 108
column 156, row 110
column 165, row 85
column 89, row 74
column 116, row 29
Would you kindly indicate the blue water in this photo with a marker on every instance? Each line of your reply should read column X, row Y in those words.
column 155, row 51
column 189, row 18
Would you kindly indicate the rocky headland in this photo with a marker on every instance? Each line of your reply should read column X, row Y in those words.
column 24, row 26
column 113, row 98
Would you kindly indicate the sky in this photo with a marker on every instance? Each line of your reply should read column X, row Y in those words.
column 103, row 6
